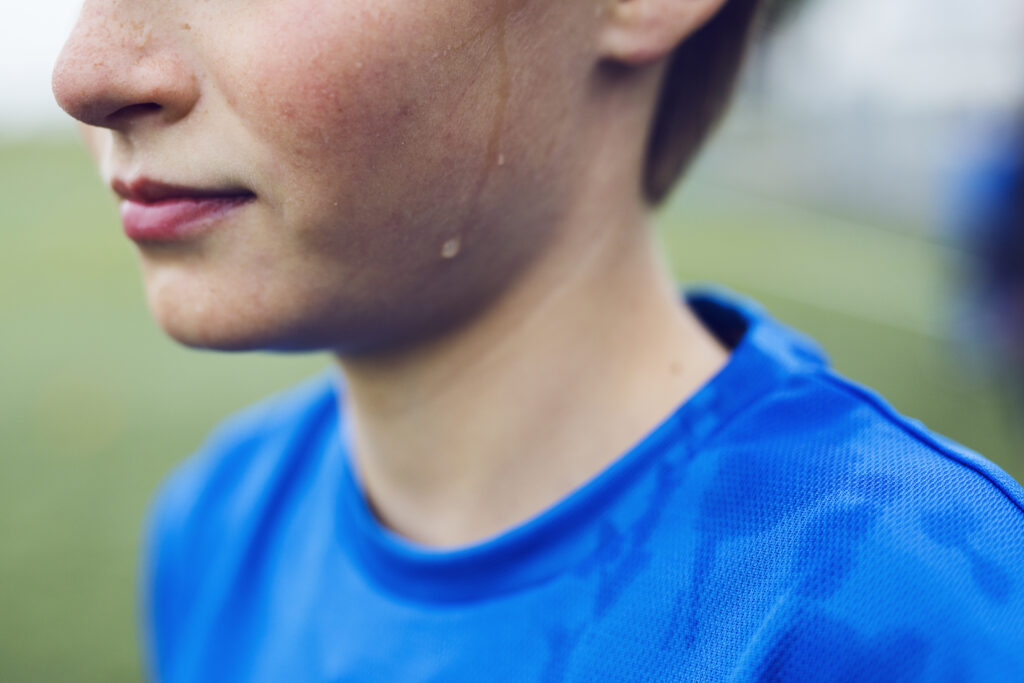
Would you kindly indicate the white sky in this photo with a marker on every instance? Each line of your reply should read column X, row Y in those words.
column 916, row 56
column 31, row 35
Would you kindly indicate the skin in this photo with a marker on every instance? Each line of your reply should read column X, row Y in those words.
column 447, row 198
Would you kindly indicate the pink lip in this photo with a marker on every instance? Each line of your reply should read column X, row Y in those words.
column 174, row 219
column 158, row 213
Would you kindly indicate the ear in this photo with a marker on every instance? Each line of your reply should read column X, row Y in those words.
column 638, row 32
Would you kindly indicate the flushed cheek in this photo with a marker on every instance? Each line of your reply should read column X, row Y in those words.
column 327, row 85
column 307, row 108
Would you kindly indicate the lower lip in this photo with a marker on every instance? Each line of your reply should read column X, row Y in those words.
column 173, row 220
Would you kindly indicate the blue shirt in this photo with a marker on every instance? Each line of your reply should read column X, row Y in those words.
column 783, row 524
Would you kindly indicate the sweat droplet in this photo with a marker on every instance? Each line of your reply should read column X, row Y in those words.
column 451, row 248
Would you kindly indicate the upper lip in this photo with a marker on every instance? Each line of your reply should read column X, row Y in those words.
column 147, row 191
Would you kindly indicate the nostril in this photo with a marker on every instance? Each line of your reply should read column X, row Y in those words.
column 133, row 111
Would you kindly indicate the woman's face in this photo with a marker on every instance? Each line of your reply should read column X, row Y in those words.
column 344, row 174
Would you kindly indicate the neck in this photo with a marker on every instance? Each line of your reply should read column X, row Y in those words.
column 468, row 435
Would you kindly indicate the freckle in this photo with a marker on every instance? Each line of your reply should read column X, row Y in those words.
column 451, row 248
column 186, row 27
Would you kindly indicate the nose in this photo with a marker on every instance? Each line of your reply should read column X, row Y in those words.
column 117, row 71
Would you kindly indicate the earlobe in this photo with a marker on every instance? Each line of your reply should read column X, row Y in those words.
column 639, row 32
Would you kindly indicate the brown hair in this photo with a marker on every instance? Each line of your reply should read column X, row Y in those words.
column 698, row 85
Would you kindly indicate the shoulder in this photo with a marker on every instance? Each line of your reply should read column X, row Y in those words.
column 895, row 545
column 898, row 460
column 823, row 442
column 250, row 471
column 245, row 451
column 837, row 433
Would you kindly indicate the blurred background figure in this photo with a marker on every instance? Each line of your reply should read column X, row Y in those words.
column 863, row 189
column 988, row 211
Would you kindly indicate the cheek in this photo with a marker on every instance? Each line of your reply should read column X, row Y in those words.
column 364, row 116
column 312, row 92
column 329, row 85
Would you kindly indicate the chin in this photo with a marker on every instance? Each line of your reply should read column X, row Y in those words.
column 209, row 308
column 200, row 310
column 215, row 336
column 237, row 327
column 221, row 325
column 361, row 333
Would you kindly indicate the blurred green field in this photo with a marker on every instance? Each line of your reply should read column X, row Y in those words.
column 97, row 406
